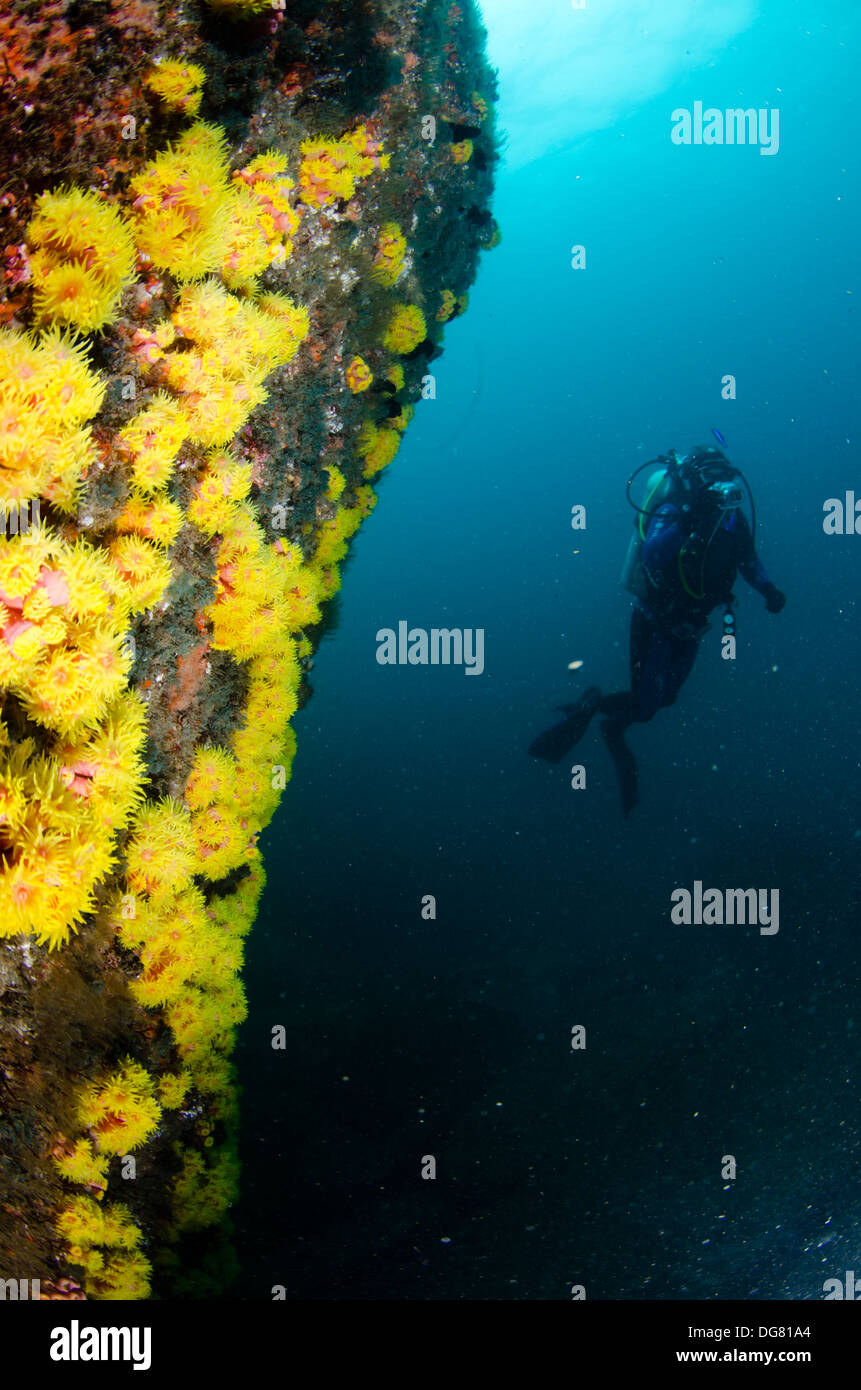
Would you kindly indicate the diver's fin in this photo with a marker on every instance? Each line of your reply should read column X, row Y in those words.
column 623, row 758
column 554, row 743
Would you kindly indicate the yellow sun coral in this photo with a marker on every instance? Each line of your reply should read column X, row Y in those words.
column 334, row 534
column 212, row 778
column 192, row 867
column 57, row 818
column 144, row 567
column 178, row 84
column 223, row 483
column 359, row 375
column 268, row 184
column 378, row 445
column 217, row 404
column 88, row 1257
column 240, row 344
column 154, row 437
column 214, row 1075
column 461, row 151
column 122, row 1112
column 159, row 521
column 192, row 1019
column 174, row 942
column 203, row 1193
column 293, row 323
column 67, row 660
column 182, row 202
column 247, row 252
column 47, row 394
column 161, row 854
column 406, row 329
column 81, row 1164
column 82, row 1222
column 123, row 1277
column 260, row 593
column 366, row 499
column 173, row 1089
column 235, row 9
column 447, row 306
column 235, row 912
column 207, row 313
column 331, row 168
column 389, row 255
column 83, row 258
column 325, row 175
column 337, row 482
column 367, row 153
column 105, row 769
column 222, row 839
column 119, row 1228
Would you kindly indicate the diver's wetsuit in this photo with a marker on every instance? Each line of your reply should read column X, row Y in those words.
column 683, row 580
column 667, row 626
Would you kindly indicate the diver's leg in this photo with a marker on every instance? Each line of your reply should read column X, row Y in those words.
column 640, row 703
column 554, row 743
column 642, row 637
column 651, row 655
column 613, row 732
column 625, row 707
column 678, row 664
column 621, row 705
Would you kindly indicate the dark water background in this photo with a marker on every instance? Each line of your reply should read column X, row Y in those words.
column 451, row 1037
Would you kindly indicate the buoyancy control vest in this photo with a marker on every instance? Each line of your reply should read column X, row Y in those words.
column 703, row 486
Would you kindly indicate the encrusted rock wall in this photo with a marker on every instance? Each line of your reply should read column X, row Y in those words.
column 231, row 238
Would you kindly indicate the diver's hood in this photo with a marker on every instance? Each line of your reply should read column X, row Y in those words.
column 707, row 455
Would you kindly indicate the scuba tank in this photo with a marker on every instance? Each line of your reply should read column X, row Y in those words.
column 685, row 482
column 660, row 488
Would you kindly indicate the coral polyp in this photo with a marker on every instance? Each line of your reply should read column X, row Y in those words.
column 389, row 255
column 121, row 1111
column 179, row 85
column 48, row 395
column 378, row 445
column 406, row 328
column 181, row 204
column 359, row 375
column 82, row 258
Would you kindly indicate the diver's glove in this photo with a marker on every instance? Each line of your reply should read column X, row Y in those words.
column 774, row 599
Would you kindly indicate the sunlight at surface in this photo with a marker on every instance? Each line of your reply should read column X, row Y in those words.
column 565, row 72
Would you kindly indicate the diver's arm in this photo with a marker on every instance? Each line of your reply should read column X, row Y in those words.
column 753, row 571
column 751, row 568
column 662, row 542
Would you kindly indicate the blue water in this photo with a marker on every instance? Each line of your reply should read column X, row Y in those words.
column 450, row 1038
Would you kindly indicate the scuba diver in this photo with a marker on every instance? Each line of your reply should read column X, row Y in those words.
column 691, row 538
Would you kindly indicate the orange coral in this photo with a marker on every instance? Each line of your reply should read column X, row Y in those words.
column 191, row 673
